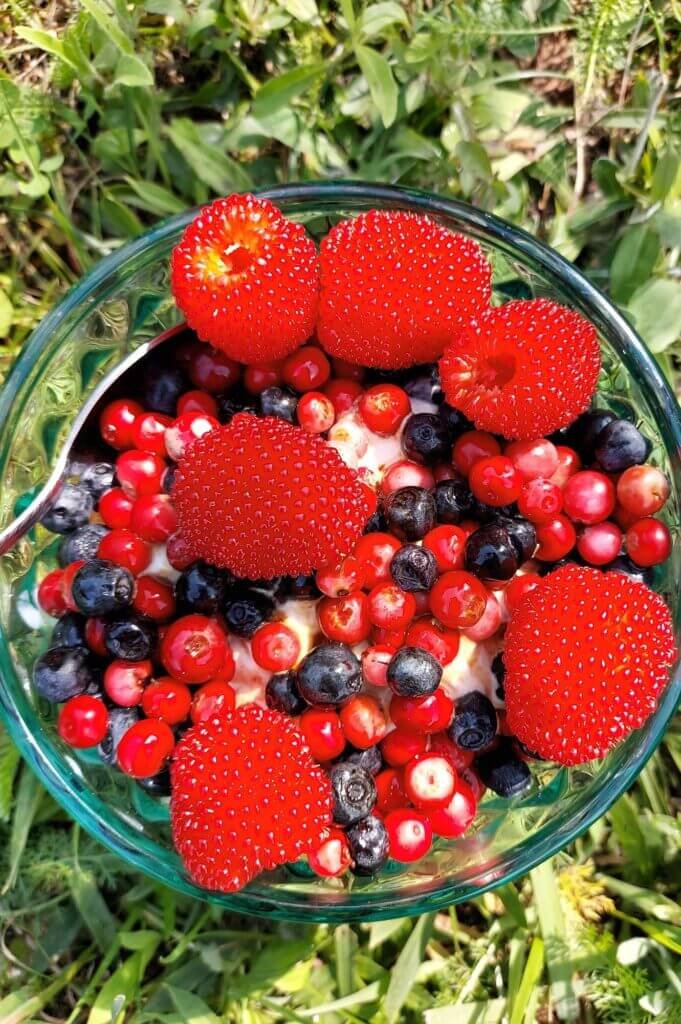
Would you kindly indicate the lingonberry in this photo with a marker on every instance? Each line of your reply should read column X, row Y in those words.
column 342, row 579
column 495, row 480
column 428, row 634
column 323, row 733
column 540, row 501
column 186, row 429
column 642, row 490
column 167, row 699
column 390, row 792
column 196, row 401
column 315, row 412
column 363, row 721
column 389, row 607
column 154, row 598
column 260, row 376
column 124, row 681
column 458, row 599
column 211, row 370
column 430, row 780
column 410, row 834
column 518, row 587
column 569, row 463
column 448, row 544
column 115, row 508
column 405, row 473
column 555, row 538
column 383, row 407
column 51, row 594
column 153, row 517
column 275, row 646
column 471, row 446
column 306, row 369
column 600, row 543
column 589, row 497
column 127, row 549
column 140, row 472
column 648, row 542
column 375, row 661
column 457, row 816
column 213, row 698
column 332, row 857
column 533, row 459
column 343, row 394
column 345, row 619
column 423, row 714
column 194, row 649
column 401, row 745
column 117, row 421
column 374, row 552
column 145, row 747
column 149, row 432
column 83, row 721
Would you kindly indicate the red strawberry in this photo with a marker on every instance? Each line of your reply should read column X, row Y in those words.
column 246, row 278
column 246, row 797
column 392, row 284
column 264, row 498
column 587, row 655
column 523, row 370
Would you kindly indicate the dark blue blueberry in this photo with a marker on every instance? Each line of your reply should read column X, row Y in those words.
column 82, row 544
column 120, row 720
column 523, row 535
column 502, row 771
column 354, row 793
column 375, row 523
column 130, row 637
column 98, row 478
column 281, row 694
column 545, row 568
column 454, row 501
column 414, row 568
column 245, row 610
column 490, row 553
column 329, row 674
column 71, row 508
column 368, row 842
column 625, row 565
column 370, row 759
column 413, row 672
column 168, row 480
column 409, row 512
column 69, row 631
column 620, row 445
column 162, row 386
column 100, row 587
column 455, row 421
column 582, row 434
column 425, row 439
column 474, row 725
column 64, row 672
column 280, row 402
column 156, row 785
column 201, row 588
column 425, row 384
column 499, row 673
column 231, row 403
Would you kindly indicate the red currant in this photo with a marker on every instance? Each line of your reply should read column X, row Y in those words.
column 115, row 508
column 323, row 733
column 168, row 700
column 363, row 721
column 306, row 369
column 406, row 474
column 149, row 432
column 211, row 370
column 642, row 490
column 430, row 636
column 344, row 578
column 140, row 472
column 495, row 480
column 154, row 598
column 211, row 699
column 196, row 401
column 555, row 539
column 401, row 745
column 260, row 376
column 343, row 394
column 648, row 542
column 430, row 780
column 518, row 587
column 458, row 599
column 83, row 721
column 410, row 834
column 540, row 500
column 569, row 463
column 448, row 544
column 390, row 792
column 589, row 497
column 533, row 459
column 127, row 549
column 51, row 595
column 374, row 552
column 488, row 624
column 117, row 422
column 471, row 446
column 345, row 619
column 454, row 819
column 145, row 747
column 153, row 517
column 124, row 681
column 375, row 662
column 383, row 407
column 600, row 543
column 185, row 430
column 332, row 857
column 390, row 607
column 315, row 412
column 194, row 649
column 423, row 714
column 95, row 633
column 275, row 646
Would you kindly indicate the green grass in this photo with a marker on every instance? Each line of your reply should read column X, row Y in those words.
column 562, row 118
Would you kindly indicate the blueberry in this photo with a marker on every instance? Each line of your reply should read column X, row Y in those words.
column 280, row 402
column 100, row 587
column 499, row 673
column 69, row 631
column 425, row 438
column 453, row 501
column 625, row 565
column 201, row 588
column 474, row 725
column 413, row 672
column 409, row 512
column 98, row 478
column 71, row 508
column 370, row 759
column 230, row 404
column 455, row 421
column 168, row 479
column 245, row 610
column 490, row 553
column 523, row 535
column 156, row 785
column 354, row 793
column 120, row 720
column 414, row 568
column 502, row 771
column 281, row 694
column 329, row 674
column 546, row 568
column 162, row 386
column 64, row 672
column 130, row 637
column 484, row 513
column 620, row 445
column 425, row 385
column 368, row 842
column 375, row 523
column 82, row 544
column 299, row 588
column 582, row 434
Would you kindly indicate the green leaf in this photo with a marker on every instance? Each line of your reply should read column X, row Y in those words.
column 531, row 975
column 377, row 17
column 191, row 1008
column 381, row 931
column 490, row 1012
column 29, row 796
column 50, row 43
column 382, row 85
column 96, row 916
column 345, row 942
column 407, row 965
column 301, row 10
column 108, row 25
column 155, row 198
column 273, row 963
column 122, row 987
column 368, row 994
column 9, row 754
column 348, row 10
column 646, row 900
column 635, row 256
column 133, row 72
column 280, row 91
column 557, row 951
column 656, row 311
column 665, row 175
column 217, row 170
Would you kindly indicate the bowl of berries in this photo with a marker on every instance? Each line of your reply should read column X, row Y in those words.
column 358, row 593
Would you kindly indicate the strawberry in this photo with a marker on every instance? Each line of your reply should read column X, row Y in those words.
column 246, row 278
column 246, row 797
column 392, row 285
column 587, row 655
column 523, row 369
column 264, row 498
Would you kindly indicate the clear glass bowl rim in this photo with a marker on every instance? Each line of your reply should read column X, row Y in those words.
column 593, row 303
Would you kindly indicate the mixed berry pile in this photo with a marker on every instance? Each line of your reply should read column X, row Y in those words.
column 322, row 590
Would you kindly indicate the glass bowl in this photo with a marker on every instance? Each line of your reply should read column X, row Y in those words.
column 124, row 301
